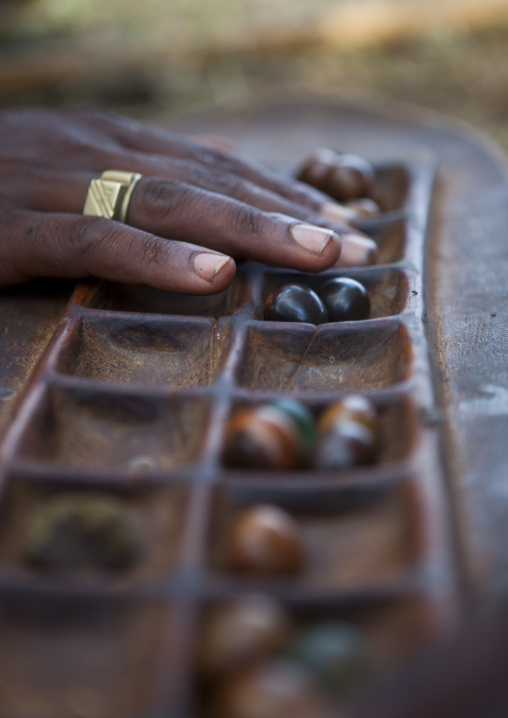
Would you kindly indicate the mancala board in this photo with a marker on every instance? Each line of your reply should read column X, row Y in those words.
column 129, row 404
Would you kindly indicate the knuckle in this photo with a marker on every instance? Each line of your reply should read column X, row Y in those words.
column 164, row 197
column 195, row 174
column 85, row 151
column 109, row 243
column 306, row 195
column 214, row 180
column 85, row 238
column 149, row 248
column 226, row 161
column 249, row 220
column 107, row 124
column 82, row 151
column 155, row 194
column 224, row 183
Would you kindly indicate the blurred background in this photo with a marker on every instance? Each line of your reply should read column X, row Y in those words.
column 165, row 55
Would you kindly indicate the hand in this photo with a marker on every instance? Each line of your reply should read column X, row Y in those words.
column 197, row 207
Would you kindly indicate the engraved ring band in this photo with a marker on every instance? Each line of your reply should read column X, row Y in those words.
column 109, row 196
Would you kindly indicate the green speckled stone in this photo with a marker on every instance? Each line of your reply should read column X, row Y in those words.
column 303, row 418
column 338, row 654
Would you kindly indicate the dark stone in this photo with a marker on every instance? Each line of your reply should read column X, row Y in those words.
column 353, row 407
column 346, row 445
column 263, row 437
column 267, row 540
column 295, row 303
column 345, row 299
column 351, row 176
column 240, row 633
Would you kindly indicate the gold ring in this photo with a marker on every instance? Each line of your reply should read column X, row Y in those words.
column 109, row 196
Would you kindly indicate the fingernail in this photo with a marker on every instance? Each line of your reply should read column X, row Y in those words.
column 364, row 208
column 207, row 266
column 313, row 239
column 357, row 251
column 337, row 212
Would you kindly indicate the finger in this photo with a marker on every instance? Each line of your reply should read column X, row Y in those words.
column 180, row 211
column 35, row 244
column 149, row 140
column 364, row 208
column 187, row 213
column 40, row 188
column 357, row 251
column 240, row 188
column 66, row 193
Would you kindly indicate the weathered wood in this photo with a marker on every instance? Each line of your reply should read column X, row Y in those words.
column 465, row 293
column 28, row 317
column 130, row 402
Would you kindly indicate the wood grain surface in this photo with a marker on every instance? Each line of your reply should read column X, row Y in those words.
column 127, row 404
column 465, row 286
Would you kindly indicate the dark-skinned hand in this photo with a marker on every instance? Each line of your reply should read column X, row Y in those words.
column 198, row 207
